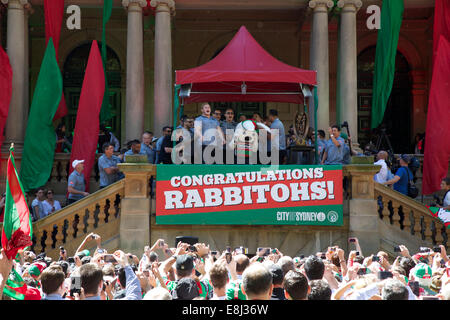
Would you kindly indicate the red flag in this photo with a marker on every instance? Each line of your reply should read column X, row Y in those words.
column 87, row 124
column 437, row 142
column 441, row 23
column 54, row 14
column 6, row 90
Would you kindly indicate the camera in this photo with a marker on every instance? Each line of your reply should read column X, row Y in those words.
column 425, row 249
column 109, row 258
column 397, row 249
column 384, row 275
column 375, row 259
column 75, row 284
column 351, row 240
column 344, row 125
column 361, row 271
column 437, row 249
column 161, row 243
column 228, row 257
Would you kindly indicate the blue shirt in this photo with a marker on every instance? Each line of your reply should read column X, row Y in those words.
column 130, row 152
column 277, row 124
column 76, row 181
column 335, row 155
column 207, row 124
column 150, row 152
column 158, row 149
column 402, row 184
column 321, row 145
column 103, row 163
column 53, row 296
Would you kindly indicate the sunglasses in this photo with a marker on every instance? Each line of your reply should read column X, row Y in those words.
column 49, row 192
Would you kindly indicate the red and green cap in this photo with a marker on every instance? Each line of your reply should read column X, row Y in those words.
column 422, row 272
column 36, row 269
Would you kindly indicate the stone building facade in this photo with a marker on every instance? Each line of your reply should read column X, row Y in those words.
column 144, row 50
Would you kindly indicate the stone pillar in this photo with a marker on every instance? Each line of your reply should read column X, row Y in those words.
column 15, row 127
column 348, row 66
column 135, row 207
column 363, row 214
column 134, row 114
column 28, row 11
column 319, row 60
column 163, row 65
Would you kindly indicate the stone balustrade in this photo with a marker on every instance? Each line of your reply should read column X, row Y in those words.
column 98, row 213
column 409, row 215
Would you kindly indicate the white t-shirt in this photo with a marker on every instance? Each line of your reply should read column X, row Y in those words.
column 48, row 208
column 446, row 201
column 381, row 176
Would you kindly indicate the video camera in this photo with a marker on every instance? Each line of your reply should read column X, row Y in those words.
column 344, row 125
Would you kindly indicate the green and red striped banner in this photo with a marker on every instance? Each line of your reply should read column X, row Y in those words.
column 249, row 195
column 17, row 228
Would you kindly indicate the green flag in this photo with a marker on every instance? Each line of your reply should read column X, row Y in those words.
column 40, row 137
column 105, row 112
column 17, row 229
column 391, row 21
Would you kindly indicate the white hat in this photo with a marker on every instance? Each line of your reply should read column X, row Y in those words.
column 76, row 162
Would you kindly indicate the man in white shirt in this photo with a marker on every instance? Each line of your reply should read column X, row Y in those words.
column 382, row 175
column 445, row 185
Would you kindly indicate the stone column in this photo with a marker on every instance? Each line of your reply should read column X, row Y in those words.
column 347, row 77
column 15, row 33
column 135, row 207
column 363, row 215
column 134, row 114
column 163, row 65
column 28, row 11
column 319, row 60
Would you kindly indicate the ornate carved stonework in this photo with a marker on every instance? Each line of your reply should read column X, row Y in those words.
column 347, row 3
column 318, row 3
column 18, row 2
column 164, row 5
column 126, row 3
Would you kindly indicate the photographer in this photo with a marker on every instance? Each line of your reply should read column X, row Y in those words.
column 334, row 152
column 402, row 176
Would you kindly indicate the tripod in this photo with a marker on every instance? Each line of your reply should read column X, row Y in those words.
column 384, row 136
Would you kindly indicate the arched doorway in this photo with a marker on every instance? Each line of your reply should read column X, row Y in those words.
column 73, row 75
column 397, row 117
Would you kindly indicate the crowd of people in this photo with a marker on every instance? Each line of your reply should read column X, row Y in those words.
column 196, row 272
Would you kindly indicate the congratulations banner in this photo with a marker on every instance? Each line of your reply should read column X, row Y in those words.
column 249, row 195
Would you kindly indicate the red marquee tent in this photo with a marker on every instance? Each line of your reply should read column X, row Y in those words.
column 244, row 71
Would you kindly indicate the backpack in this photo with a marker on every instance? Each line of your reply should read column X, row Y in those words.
column 413, row 192
column 414, row 164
